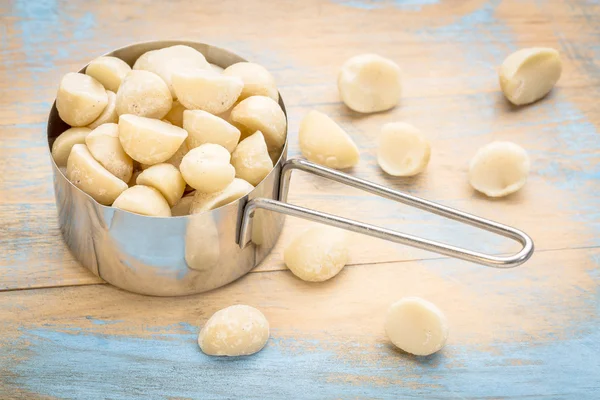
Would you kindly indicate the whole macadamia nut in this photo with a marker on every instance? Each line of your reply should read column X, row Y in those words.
column 370, row 83
column 144, row 94
column 403, row 149
column 207, row 169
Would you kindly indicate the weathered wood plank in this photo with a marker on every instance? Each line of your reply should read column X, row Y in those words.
column 535, row 327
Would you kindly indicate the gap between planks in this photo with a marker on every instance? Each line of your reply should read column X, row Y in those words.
column 254, row 271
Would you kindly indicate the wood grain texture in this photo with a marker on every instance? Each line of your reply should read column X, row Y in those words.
column 531, row 332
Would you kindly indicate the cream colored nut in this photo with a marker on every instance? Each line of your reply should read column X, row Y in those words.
column 325, row 142
column 61, row 148
column 207, row 169
column 183, row 205
column 260, row 113
column 144, row 94
column 416, row 326
column 209, row 201
column 109, row 71
column 251, row 159
column 143, row 200
column 149, row 141
column 164, row 62
column 80, row 99
column 175, row 115
column 499, row 169
column 238, row 330
column 90, row 176
column 206, row 90
column 109, row 115
column 105, row 146
column 529, row 74
column 203, row 127
column 317, row 254
column 166, row 179
column 370, row 83
column 403, row 150
column 257, row 80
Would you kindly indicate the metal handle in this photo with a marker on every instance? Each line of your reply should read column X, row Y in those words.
column 285, row 208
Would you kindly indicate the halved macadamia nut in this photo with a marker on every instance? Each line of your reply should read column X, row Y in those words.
column 416, row 326
column 183, row 205
column 237, row 330
column 403, row 149
column 318, row 254
column 166, row 179
column 251, row 159
column 104, row 144
column 144, row 94
column 261, row 113
column 80, row 99
column 109, row 71
column 164, row 62
column 199, row 89
column 207, row 169
column 529, row 74
column 143, row 200
column 326, row 143
column 209, row 201
column 61, row 148
column 109, row 115
column 203, row 127
column 149, row 141
column 499, row 169
column 370, row 83
column 90, row 176
column 257, row 80
column 175, row 115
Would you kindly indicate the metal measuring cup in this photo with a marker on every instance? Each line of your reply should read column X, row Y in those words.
column 195, row 253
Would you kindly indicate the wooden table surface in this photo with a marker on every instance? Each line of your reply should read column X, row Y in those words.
column 528, row 332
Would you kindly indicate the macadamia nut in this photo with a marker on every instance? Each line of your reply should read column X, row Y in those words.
column 105, row 146
column 317, row 254
column 80, row 99
column 203, row 127
column 499, row 169
column 403, row 150
column 207, row 169
column 109, row 115
column 143, row 200
column 164, row 62
column 90, row 176
column 206, row 90
column 251, row 159
column 144, row 94
column 238, row 330
column 209, row 201
column 370, row 83
column 149, row 141
column 175, row 115
column 109, row 71
column 166, row 179
column 416, row 326
column 529, row 74
column 326, row 143
column 61, row 148
column 261, row 113
column 257, row 80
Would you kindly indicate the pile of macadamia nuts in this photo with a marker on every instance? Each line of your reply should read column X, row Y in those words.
column 171, row 136
column 142, row 138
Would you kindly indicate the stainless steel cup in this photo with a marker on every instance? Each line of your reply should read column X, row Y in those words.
column 192, row 254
